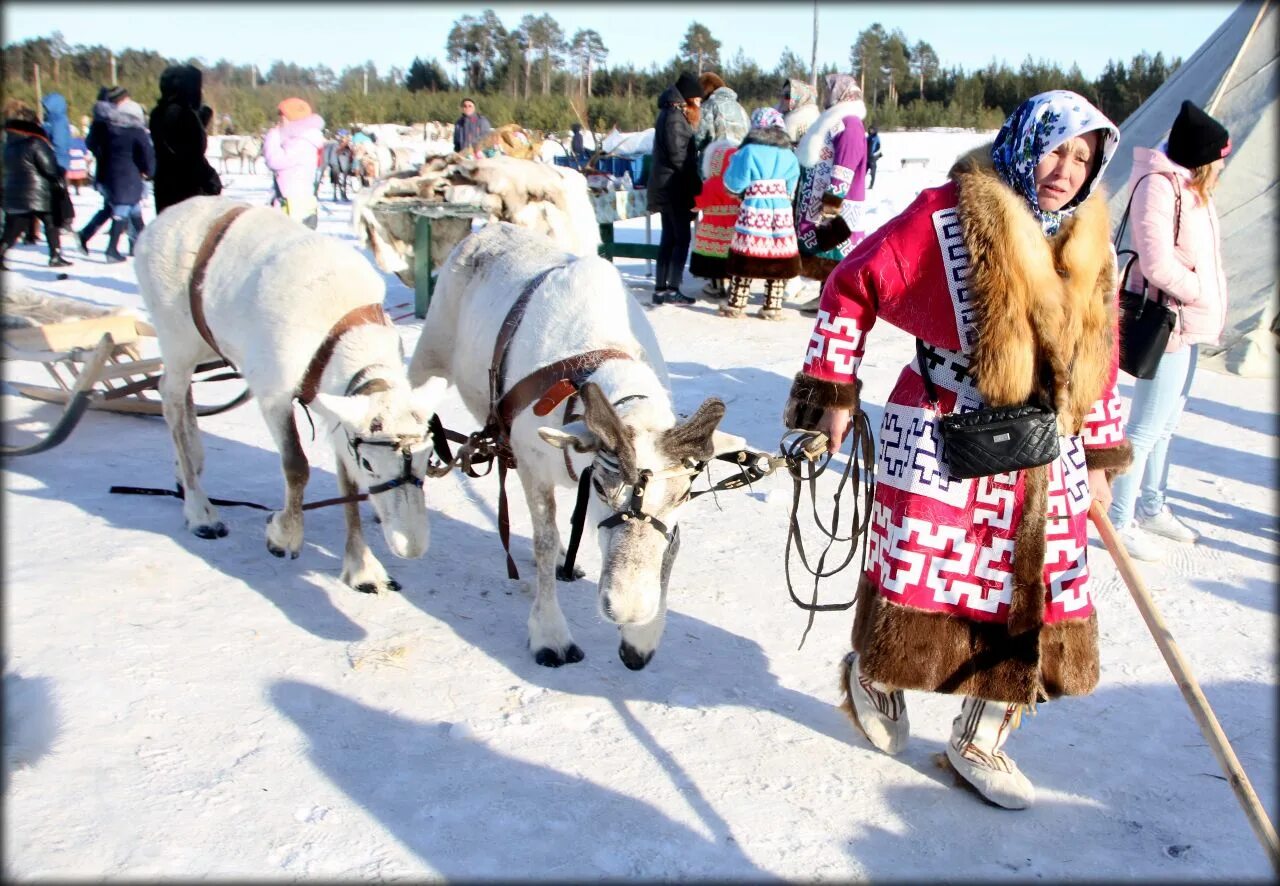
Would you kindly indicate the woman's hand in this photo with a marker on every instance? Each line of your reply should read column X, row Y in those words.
column 1099, row 488
column 835, row 424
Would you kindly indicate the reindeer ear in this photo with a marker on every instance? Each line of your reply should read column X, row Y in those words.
column 427, row 395
column 573, row 436
column 350, row 411
column 601, row 418
column 694, row 438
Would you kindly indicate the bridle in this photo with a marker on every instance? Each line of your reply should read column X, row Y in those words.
column 633, row 511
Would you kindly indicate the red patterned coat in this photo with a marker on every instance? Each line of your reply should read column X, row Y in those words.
column 719, row 208
column 978, row 587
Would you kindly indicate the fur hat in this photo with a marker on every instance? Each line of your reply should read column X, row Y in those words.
column 710, row 82
column 294, row 109
column 117, row 93
column 688, row 86
column 1197, row 139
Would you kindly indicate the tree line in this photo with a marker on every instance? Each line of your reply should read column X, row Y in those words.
column 541, row 77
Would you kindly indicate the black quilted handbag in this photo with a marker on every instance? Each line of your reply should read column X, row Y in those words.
column 1145, row 324
column 994, row 440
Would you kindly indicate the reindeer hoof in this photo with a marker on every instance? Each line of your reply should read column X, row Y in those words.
column 392, row 584
column 549, row 658
column 632, row 658
column 565, row 576
column 213, row 530
column 275, row 551
column 367, row 587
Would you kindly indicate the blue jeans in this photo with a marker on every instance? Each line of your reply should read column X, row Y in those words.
column 1157, row 405
column 132, row 213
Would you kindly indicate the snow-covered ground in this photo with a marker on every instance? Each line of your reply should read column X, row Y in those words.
column 224, row 713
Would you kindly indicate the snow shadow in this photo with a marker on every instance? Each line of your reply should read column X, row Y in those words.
column 473, row 814
column 109, row 449
column 1236, row 416
column 1260, row 528
column 1127, row 788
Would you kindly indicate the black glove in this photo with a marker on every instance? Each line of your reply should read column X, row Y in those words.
column 832, row 233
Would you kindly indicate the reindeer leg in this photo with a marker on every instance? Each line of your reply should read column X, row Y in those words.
column 549, row 638
column 639, row 642
column 360, row 568
column 179, row 413
column 284, row 528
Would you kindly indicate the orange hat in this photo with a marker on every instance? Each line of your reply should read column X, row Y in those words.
column 294, row 109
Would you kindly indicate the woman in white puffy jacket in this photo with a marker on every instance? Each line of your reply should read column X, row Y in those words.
column 1175, row 232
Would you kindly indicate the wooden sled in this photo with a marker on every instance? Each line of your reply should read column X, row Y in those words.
column 96, row 364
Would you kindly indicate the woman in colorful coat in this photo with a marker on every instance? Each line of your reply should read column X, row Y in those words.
column 981, row 587
column 833, row 171
column 798, row 103
column 719, row 213
column 764, row 172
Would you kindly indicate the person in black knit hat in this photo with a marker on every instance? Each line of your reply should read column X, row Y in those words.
column 1197, row 139
column 674, row 182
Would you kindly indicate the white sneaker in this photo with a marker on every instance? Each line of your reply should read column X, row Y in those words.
column 1139, row 544
column 880, row 713
column 1164, row 523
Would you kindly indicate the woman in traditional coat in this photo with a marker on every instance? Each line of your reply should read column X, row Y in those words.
column 764, row 173
column 798, row 103
column 718, row 212
column 981, row 587
column 833, row 172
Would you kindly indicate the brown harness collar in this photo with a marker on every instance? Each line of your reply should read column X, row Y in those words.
column 361, row 316
column 196, row 289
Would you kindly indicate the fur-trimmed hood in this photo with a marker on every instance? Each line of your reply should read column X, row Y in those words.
column 1046, row 304
column 810, row 147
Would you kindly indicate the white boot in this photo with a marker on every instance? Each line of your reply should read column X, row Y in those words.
column 974, row 750
column 877, row 710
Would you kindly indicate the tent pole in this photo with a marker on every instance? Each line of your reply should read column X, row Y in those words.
column 1222, row 85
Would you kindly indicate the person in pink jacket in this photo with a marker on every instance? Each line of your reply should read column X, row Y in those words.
column 292, row 151
column 1176, row 235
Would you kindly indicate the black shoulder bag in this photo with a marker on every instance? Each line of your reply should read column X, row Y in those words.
column 1145, row 325
column 993, row 440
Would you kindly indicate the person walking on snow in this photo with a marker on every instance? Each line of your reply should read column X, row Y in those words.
column 981, row 587
column 764, row 173
column 126, row 158
column 34, row 186
column 292, row 150
column 1179, row 245
column 178, row 124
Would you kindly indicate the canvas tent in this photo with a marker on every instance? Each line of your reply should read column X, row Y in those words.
column 1233, row 76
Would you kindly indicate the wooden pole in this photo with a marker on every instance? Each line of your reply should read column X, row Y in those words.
column 1226, row 80
column 112, row 56
column 1213, row 734
column 813, row 58
column 39, row 94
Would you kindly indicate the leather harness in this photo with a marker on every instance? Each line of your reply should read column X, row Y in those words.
column 546, row 388
column 310, row 385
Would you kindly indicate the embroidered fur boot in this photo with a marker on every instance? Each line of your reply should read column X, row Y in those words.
column 879, row 712
column 739, row 292
column 974, row 749
column 772, row 309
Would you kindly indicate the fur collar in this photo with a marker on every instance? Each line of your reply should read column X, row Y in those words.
column 775, row 138
column 1044, row 304
column 810, row 147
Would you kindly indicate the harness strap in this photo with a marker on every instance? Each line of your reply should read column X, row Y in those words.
column 498, row 366
column 539, row 384
column 361, row 316
column 196, row 289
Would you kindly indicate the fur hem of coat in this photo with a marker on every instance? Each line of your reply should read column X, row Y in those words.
column 1044, row 304
column 913, row 649
column 1112, row 459
column 708, row 267
column 754, row 268
column 815, row 267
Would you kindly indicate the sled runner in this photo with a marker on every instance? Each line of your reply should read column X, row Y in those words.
column 97, row 363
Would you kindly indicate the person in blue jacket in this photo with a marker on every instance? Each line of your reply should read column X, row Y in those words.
column 126, row 157
column 764, row 172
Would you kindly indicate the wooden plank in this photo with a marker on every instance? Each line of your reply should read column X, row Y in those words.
column 71, row 334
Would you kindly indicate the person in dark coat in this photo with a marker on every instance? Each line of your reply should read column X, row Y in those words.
column 469, row 128
column 178, row 124
column 674, row 182
column 109, row 99
column 873, row 155
column 34, row 185
column 127, row 158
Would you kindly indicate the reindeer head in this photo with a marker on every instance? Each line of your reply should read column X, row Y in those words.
column 643, row 469
column 382, row 441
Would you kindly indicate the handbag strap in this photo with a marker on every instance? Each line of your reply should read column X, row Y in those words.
column 924, row 357
column 1177, row 209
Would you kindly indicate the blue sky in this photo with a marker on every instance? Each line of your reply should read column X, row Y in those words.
column 962, row 33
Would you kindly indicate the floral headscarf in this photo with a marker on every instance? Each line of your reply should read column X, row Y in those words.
column 797, row 94
column 842, row 88
column 764, row 118
column 1035, row 129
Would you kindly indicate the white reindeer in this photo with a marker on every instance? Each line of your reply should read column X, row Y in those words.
column 273, row 294
column 627, row 431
